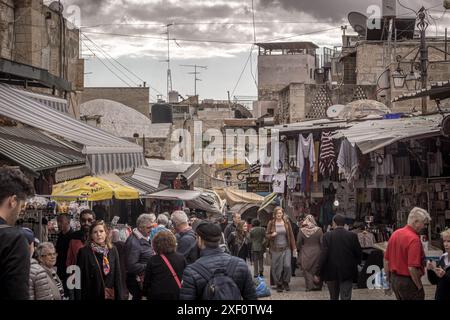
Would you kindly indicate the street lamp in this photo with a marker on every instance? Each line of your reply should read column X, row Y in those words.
column 398, row 76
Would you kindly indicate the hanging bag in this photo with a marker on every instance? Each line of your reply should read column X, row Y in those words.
column 110, row 293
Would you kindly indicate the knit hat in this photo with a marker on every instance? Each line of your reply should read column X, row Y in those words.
column 208, row 231
column 29, row 234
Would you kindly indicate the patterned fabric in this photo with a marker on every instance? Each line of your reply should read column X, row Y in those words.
column 309, row 226
column 103, row 251
column 58, row 283
column 327, row 155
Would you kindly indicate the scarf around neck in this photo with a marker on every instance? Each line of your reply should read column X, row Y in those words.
column 309, row 226
column 104, row 252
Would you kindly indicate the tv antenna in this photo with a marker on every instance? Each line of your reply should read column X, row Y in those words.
column 195, row 73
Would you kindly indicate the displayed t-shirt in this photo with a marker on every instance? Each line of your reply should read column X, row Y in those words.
column 278, row 182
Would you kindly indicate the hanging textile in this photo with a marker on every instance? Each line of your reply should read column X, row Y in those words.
column 279, row 182
column 316, row 167
column 305, row 149
column 348, row 160
column 327, row 155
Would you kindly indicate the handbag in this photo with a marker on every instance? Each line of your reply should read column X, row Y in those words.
column 110, row 293
column 174, row 274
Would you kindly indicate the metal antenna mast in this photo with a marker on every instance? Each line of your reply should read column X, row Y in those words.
column 195, row 73
column 169, row 73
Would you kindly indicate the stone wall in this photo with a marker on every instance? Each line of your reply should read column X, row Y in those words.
column 6, row 28
column 136, row 98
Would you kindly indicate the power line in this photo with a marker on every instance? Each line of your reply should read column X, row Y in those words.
column 105, row 64
column 243, row 69
column 405, row 7
column 303, row 34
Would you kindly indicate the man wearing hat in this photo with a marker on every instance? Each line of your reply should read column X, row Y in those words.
column 197, row 276
column 14, row 253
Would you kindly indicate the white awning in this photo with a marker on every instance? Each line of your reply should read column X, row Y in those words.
column 148, row 176
column 175, row 194
column 373, row 135
column 168, row 165
column 106, row 152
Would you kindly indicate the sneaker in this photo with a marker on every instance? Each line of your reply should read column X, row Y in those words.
column 279, row 289
column 286, row 287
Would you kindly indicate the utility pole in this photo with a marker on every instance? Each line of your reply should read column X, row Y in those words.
column 169, row 73
column 423, row 25
column 195, row 73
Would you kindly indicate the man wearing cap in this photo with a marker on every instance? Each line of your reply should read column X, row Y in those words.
column 212, row 258
column 14, row 252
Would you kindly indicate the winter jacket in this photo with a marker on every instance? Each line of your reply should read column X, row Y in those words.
column 42, row 285
column 62, row 248
column 187, row 245
column 258, row 239
column 92, row 285
column 228, row 230
column 138, row 251
column 340, row 255
column 239, row 248
column 77, row 241
column 271, row 228
column 443, row 284
column 159, row 283
column 14, row 264
column 194, row 283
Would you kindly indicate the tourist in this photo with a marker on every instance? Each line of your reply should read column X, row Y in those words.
column 186, row 237
column 339, row 259
column 138, row 252
column 258, row 247
column 99, row 265
column 404, row 257
column 164, row 270
column 232, row 227
column 62, row 247
column 14, row 249
column 282, row 247
column 78, row 238
column 309, row 243
column 46, row 255
column 440, row 273
column 238, row 241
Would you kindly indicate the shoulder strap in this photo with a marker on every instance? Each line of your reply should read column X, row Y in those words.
column 99, row 268
column 174, row 274
column 203, row 271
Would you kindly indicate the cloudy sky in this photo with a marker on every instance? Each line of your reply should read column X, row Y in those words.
column 215, row 33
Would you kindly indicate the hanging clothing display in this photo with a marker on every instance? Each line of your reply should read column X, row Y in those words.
column 348, row 160
column 327, row 156
column 283, row 161
column 292, row 179
column 383, row 163
column 278, row 182
column 435, row 164
column 305, row 150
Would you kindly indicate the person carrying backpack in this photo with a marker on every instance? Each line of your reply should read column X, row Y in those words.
column 216, row 275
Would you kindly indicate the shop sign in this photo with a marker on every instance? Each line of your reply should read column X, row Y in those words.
column 256, row 186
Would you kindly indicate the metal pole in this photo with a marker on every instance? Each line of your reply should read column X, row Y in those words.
column 446, row 45
column 423, row 55
column 195, row 80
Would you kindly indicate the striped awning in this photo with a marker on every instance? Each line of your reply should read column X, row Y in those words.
column 105, row 152
column 36, row 158
column 137, row 184
column 70, row 173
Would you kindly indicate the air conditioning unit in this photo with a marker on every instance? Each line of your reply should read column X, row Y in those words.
column 389, row 8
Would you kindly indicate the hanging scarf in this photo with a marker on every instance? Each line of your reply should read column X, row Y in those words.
column 309, row 226
column 104, row 252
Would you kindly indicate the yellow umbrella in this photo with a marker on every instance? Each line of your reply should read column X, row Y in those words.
column 93, row 189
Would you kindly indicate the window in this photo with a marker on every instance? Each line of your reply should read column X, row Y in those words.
column 270, row 111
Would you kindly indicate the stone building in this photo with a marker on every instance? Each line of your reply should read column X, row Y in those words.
column 39, row 49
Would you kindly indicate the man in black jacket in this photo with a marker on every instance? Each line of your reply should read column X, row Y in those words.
column 186, row 237
column 232, row 227
column 339, row 259
column 212, row 258
column 62, row 247
column 14, row 251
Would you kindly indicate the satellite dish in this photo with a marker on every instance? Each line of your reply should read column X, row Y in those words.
column 333, row 111
column 56, row 6
column 358, row 21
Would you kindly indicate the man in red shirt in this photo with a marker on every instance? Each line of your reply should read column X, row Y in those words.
column 404, row 259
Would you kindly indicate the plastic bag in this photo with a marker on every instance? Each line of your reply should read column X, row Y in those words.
column 262, row 290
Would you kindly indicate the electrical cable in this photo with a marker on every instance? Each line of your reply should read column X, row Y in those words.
column 243, row 69
column 398, row 1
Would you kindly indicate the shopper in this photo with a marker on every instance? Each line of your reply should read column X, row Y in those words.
column 216, row 275
column 309, row 243
column 258, row 245
column 282, row 248
column 440, row 273
column 340, row 255
column 163, row 225
column 239, row 241
column 164, row 270
column 46, row 255
column 232, row 227
column 14, row 250
column 120, row 246
column 295, row 231
column 99, row 265
column 186, row 237
column 404, row 257
column 78, row 238
column 138, row 252
column 62, row 247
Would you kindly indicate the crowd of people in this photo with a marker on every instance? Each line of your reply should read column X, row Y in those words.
column 172, row 256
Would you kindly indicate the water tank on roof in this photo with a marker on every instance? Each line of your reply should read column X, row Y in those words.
column 162, row 113
column 173, row 96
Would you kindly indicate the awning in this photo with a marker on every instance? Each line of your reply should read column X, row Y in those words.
column 148, row 176
column 192, row 173
column 208, row 201
column 70, row 173
column 55, row 103
column 36, row 158
column 168, row 165
column 439, row 90
column 175, row 194
column 311, row 125
column 234, row 196
column 373, row 135
column 267, row 201
column 105, row 152
column 145, row 188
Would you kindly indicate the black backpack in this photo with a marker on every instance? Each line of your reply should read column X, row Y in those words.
column 220, row 284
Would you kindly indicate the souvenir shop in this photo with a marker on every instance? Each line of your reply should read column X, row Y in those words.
column 373, row 179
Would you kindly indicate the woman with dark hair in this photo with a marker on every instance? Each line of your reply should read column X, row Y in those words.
column 164, row 270
column 282, row 247
column 239, row 241
column 99, row 264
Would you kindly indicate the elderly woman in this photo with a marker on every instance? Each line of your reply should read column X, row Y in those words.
column 138, row 250
column 439, row 274
column 44, row 282
column 282, row 246
column 165, row 269
column 99, row 266
column 309, row 244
